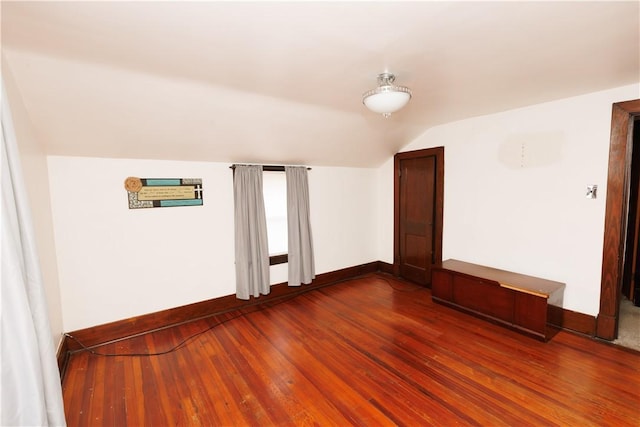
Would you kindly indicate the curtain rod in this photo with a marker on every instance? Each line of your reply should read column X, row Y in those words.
column 269, row 168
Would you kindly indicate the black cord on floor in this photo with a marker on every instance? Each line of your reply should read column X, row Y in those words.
column 412, row 286
column 159, row 353
column 258, row 306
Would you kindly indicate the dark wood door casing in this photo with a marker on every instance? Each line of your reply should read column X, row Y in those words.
column 618, row 181
column 423, row 220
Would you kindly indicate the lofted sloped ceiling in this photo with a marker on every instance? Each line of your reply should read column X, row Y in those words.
column 281, row 82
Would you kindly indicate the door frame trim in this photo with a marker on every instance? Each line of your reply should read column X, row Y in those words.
column 438, row 153
column 615, row 227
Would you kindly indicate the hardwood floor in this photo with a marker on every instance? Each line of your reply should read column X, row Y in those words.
column 370, row 351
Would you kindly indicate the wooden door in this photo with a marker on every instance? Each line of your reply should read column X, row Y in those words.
column 419, row 190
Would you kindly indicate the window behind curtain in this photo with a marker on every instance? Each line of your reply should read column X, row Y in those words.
column 275, row 205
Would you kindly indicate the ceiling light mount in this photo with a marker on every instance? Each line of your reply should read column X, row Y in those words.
column 386, row 98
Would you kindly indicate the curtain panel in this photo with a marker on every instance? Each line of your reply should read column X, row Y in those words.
column 301, row 260
column 30, row 392
column 251, row 245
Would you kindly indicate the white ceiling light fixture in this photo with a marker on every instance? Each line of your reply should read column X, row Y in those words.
column 386, row 98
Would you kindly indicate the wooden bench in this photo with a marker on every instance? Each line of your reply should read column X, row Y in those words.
column 514, row 300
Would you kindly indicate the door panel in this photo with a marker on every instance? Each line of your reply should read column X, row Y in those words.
column 415, row 250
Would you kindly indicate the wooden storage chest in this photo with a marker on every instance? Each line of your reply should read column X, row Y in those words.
column 514, row 300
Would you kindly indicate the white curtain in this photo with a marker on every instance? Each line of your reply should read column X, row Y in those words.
column 30, row 392
column 301, row 262
column 251, row 247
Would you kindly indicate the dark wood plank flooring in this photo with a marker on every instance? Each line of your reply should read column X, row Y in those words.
column 370, row 351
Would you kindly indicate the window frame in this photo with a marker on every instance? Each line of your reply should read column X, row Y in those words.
column 281, row 258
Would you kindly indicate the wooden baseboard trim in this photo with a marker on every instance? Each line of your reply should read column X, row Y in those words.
column 63, row 356
column 385, row 267
column 572, row 320
column 127, row 328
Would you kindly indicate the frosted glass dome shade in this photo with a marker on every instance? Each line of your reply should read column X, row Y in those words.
column 386, row 98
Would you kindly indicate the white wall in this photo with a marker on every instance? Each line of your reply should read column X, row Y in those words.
column 34, row 168
column 116, row 263
column 515, row 185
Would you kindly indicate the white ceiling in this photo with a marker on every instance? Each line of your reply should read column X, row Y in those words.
column 281, row 82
